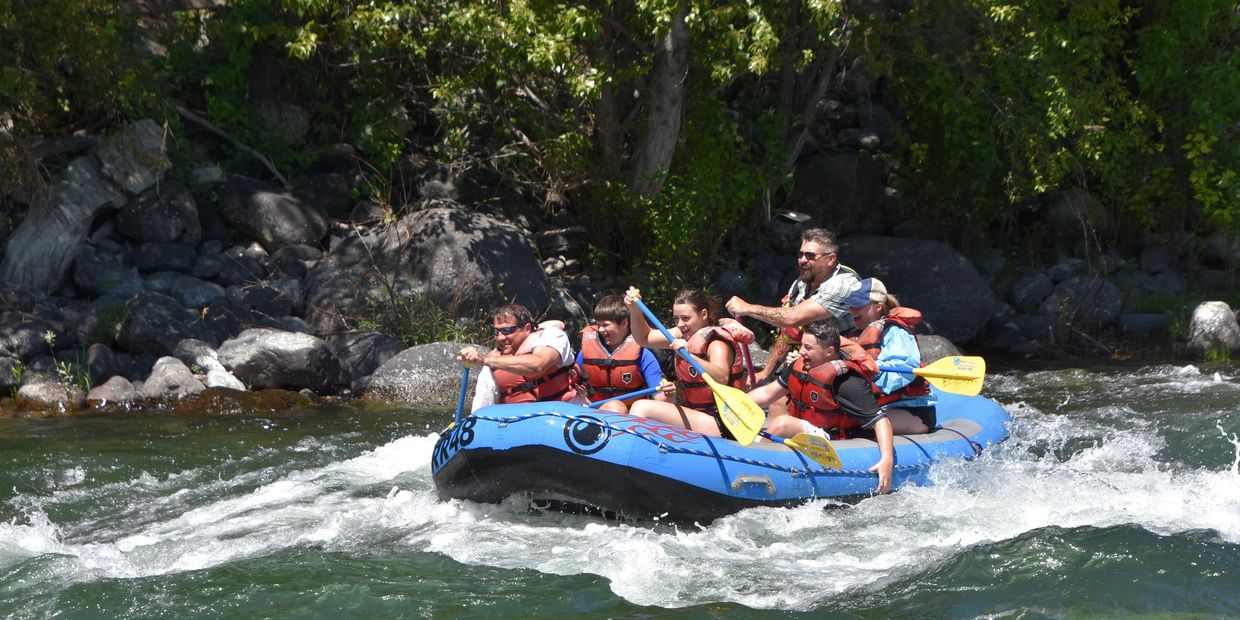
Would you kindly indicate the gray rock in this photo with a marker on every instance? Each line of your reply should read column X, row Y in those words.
column 11, row 369
column 427, row 374
column 240, row 270
column 49, row 395
column 1003, row 336
column 191, row 292
column 1083, row 300
column 361, row 353
column 268, row 358
column 135, row 158
column 117, row 391
column 163, row 257
column 208, row 266
column 193, row 352
column 104, row 276
column 1029, row 292
column 269, row 214
column 989, row 262
column 1065, row 269
column 463, row 261
column 156, row 323
column 1213, row 325
column 220, row 378
column 294, row 261
column 101, row 363
column 25, row 339
column 1223, row 249
column 930, row 276
column 166, row 213
column 934, row 348
column 171, row 378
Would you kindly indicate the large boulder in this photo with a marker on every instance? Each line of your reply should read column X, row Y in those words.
column 166, row 213
column 1088, row 301
column 270, row 214
column 155, row 323
column 268, row 358
column 929, row 276
column 464, row 261
column 426, row 374
column 1213, row 326
column 361, row 353
column 171, row 378
column 40, row 251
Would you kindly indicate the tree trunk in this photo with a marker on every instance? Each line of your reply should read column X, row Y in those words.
column 667, row 101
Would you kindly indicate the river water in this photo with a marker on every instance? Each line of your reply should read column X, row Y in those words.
column 1117, row 495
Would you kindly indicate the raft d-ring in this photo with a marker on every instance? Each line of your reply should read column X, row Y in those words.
column 663, row 448
column 743, row 480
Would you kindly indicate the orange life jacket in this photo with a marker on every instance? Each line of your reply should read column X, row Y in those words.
column 692, row 390
column 609, row 373
column 556, row 384
column 811, row 396
column 871, row 339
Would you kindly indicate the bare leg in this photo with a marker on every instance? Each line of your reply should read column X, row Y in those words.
column 617, row 406
column 778, row 408
column 670, row 413
column 905, row 423
column 786, row 426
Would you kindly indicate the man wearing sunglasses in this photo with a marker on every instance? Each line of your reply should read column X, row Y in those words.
column 820, row 289
column 529, row 363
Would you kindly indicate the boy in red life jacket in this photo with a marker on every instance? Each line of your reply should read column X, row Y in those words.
column 528, row 363
column 888, row 334
column 829, row 394
column 610, row 362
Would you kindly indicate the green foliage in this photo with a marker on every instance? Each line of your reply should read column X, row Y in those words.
column 1011, row 103
column 1217, row 352
column 418, row 320
column 108, row 326
column 67, row 372
column 17, row 372
column 70, row 63
column 703, row 199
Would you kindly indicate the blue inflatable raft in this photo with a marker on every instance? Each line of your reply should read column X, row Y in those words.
column 575, row 458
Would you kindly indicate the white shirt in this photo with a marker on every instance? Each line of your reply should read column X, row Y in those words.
column 487, row 393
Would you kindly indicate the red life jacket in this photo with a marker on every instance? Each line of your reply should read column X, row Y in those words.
column 609, row 373
column 871, row 339
column 556, row 384
column 692, row 390
column 811, row 396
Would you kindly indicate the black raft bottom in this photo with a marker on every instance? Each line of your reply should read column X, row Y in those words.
column 556, row 480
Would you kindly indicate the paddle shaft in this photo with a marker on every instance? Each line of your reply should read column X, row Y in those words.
column 649, row 390
column 460, row 400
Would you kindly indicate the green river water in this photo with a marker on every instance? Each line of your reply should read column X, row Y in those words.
column 1118, row 495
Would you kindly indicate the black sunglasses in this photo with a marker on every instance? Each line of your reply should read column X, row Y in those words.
column 507, row 331
column 811, row 255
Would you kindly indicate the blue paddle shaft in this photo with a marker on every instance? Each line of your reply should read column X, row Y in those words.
column 666, row 334
column 649, row 390
column 903, row 371
column 460, row 400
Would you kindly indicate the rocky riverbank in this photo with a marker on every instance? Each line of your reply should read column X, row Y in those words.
column 125, row 286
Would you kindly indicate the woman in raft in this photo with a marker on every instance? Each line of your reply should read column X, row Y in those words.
column 713, row 340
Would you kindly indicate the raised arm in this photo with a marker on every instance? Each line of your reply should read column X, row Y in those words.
column 643, row 334
column 803, row 313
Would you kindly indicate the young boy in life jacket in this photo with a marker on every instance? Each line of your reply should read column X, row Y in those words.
column 888, row 334
column 610, row 362
column 528, row 364
column 829, row 394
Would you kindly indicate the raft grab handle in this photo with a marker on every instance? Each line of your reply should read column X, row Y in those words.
column 743, row 480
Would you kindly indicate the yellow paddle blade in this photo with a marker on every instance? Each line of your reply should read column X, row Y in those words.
column 959, row 374
column 816, row 448
column 739, row 413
